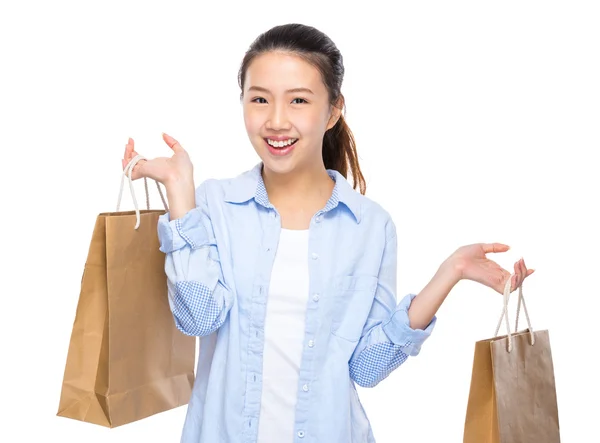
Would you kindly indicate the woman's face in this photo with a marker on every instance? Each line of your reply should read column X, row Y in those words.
column 286, row 112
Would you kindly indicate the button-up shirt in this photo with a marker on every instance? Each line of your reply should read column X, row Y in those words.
column 219, row 258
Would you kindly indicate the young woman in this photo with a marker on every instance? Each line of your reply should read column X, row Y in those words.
column 286, row 271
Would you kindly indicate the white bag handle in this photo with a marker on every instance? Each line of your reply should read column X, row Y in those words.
column 504, row 315
column 127, row 172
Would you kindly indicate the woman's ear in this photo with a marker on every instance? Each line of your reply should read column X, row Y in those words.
column 336, row 112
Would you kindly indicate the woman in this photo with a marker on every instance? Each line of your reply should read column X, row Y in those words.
column 286, row 272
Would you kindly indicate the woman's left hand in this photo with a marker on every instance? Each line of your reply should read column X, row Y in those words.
column 471, row 263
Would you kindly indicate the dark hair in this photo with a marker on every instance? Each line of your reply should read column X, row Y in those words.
column 339, row 147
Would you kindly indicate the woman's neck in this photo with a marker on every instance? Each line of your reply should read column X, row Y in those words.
column 299, row 195
column 305, row 185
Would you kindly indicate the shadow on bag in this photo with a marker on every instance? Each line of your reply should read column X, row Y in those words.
column 126, row 359
column 512, row 397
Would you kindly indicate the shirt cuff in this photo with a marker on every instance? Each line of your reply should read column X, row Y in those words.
column 187, row 230
column 399, row 331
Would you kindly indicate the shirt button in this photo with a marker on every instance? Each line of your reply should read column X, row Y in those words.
column 305, row 388
column 316, row 297
column 318, row 219
column 301, row 434
column 273, row 215
column 314, row 256
column 311, row 343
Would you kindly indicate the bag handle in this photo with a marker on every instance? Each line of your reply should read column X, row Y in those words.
column 504, row 315
column 127, row 172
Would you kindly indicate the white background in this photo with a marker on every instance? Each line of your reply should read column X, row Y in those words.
column 475, row 122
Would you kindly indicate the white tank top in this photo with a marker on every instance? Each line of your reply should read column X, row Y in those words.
column 284, row 336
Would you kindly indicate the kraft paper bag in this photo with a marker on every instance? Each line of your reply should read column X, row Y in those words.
column 126, row 359
column 512, row 397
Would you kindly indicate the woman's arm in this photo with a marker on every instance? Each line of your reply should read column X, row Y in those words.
column 199, row 298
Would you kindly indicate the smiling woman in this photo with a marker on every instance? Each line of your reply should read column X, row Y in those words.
column 297, row 106
column 309, row 81
column 286, row 271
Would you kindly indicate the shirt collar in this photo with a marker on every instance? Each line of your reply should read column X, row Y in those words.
column 250, row 185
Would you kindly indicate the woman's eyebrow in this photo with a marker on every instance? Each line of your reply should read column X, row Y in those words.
column 294, row 90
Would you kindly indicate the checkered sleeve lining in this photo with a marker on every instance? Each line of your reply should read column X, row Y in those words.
column 376, row 363
column 387, row 346
column 195, row 308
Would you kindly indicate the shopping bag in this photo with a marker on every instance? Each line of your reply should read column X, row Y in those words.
column 512, row 397
column 126, row 358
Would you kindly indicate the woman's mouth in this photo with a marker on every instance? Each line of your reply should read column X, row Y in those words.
column 280, row 147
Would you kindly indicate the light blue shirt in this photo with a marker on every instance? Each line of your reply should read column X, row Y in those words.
column 219, row 258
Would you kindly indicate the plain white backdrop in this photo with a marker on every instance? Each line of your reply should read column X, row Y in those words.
column 475, row 122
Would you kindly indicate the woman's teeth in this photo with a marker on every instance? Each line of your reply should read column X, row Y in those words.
column 282, row 144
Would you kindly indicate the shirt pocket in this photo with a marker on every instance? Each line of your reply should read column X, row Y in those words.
column 352, row 300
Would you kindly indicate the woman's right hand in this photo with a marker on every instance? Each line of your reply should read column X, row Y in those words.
column 162, row 169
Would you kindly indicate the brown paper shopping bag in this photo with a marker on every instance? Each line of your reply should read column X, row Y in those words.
column 512, row 397
column 126, row 359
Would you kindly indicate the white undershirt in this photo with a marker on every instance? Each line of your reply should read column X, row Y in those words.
column 284, row 337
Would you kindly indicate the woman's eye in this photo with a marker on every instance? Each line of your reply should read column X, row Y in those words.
column 301, row 100
column 259, row 100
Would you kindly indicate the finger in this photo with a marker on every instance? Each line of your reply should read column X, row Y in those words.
column 523, row 268
column 517, row 276
column 516, row 266
column 173, row 144
column 494, row 247
column 126, row 157
column 129, row 147
column 514, row 282
column 525, row 271
column 129, row 154
column 506, row 276
column 519, row 265
column 125, row 162
column 138, row 170
column 522, row 271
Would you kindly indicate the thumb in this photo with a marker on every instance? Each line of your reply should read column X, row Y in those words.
column 173, row 144
column 494, row 247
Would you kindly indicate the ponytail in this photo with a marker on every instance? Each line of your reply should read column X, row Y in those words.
column 339, row 153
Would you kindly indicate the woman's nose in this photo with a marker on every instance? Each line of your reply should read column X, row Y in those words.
column 278, row 119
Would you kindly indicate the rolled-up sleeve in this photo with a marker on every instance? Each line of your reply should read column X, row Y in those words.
column 398, row 329
column 387, row 339
column 189, row 230
column 198, row 296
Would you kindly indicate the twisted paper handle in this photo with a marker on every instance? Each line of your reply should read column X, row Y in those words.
column 504, row 315
column 127, row 172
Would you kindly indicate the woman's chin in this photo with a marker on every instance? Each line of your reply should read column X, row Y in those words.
column 279, row 165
